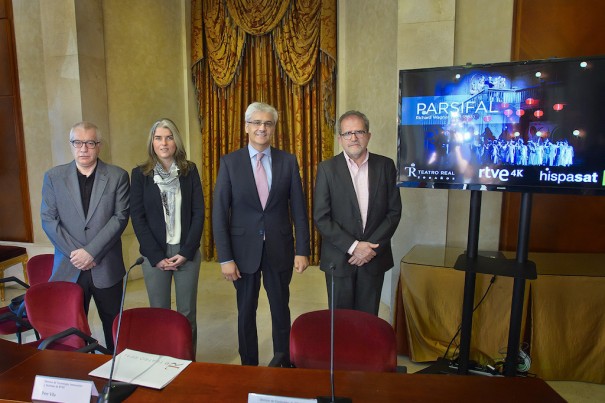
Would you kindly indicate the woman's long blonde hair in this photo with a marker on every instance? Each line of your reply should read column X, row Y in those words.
column 180, row 156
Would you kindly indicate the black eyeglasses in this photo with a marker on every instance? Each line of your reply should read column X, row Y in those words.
column 357, row 133
column 80, row 143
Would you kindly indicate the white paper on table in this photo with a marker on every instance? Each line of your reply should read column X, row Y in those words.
column 151, row 370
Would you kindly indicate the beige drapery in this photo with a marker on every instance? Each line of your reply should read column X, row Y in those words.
column 275, row 51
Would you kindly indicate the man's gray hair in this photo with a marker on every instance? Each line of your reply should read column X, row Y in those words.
column 260, row 107
column 85, row 126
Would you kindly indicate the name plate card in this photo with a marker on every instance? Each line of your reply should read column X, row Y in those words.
column 50, row 389
column 260, row 398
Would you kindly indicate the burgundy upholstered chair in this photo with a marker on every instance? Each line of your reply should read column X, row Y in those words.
column 155, row 331
column 39, row 268
column 56, row 310
column 362, row 342
column 12, row 317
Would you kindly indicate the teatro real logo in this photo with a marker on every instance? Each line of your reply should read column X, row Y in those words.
column 429, row 174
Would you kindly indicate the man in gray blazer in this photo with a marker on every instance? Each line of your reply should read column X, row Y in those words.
column 254, row 236
column 85, row 209
column 356, row 209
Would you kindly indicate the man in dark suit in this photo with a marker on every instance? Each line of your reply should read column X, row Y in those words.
column 254, row 236
column 85, row 209
column 356, row 209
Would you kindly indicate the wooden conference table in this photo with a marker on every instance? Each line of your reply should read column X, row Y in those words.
column 207, row 382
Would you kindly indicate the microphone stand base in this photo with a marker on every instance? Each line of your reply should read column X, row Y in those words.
column 336, row 399
column 119, row 391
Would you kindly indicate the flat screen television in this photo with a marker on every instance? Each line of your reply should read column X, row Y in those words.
column 529, row 126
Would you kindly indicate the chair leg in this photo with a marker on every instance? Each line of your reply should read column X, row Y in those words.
column 24, row 264
column 11, row 262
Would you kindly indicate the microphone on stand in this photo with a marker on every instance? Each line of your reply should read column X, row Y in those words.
column 332, row 398
column 118, row 391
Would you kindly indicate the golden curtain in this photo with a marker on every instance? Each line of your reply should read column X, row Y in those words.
column 274, row 51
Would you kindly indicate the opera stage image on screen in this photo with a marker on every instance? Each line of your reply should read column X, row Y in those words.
column 524, row 126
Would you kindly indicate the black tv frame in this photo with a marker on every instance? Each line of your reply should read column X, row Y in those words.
column 439, row 108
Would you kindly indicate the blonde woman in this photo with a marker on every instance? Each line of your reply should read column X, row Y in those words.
column 167, row 212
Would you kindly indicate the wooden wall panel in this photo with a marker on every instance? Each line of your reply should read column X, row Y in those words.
column 545, row 29
column 15, row 210
column 6, row 83
column 558, row 28
column 11, row 203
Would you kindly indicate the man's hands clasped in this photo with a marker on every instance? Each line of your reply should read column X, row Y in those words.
column 363, row 253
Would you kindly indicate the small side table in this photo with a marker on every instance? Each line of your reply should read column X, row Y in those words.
column 10, row 256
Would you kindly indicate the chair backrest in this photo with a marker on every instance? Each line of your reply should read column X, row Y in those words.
column 56, row 306
column 39, row 268
column 362, row 342
column 155, row 331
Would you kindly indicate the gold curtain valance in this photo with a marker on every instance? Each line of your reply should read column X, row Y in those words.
column 300, row 30
column 297, row 40
column 257, row 17
column 225, row 42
